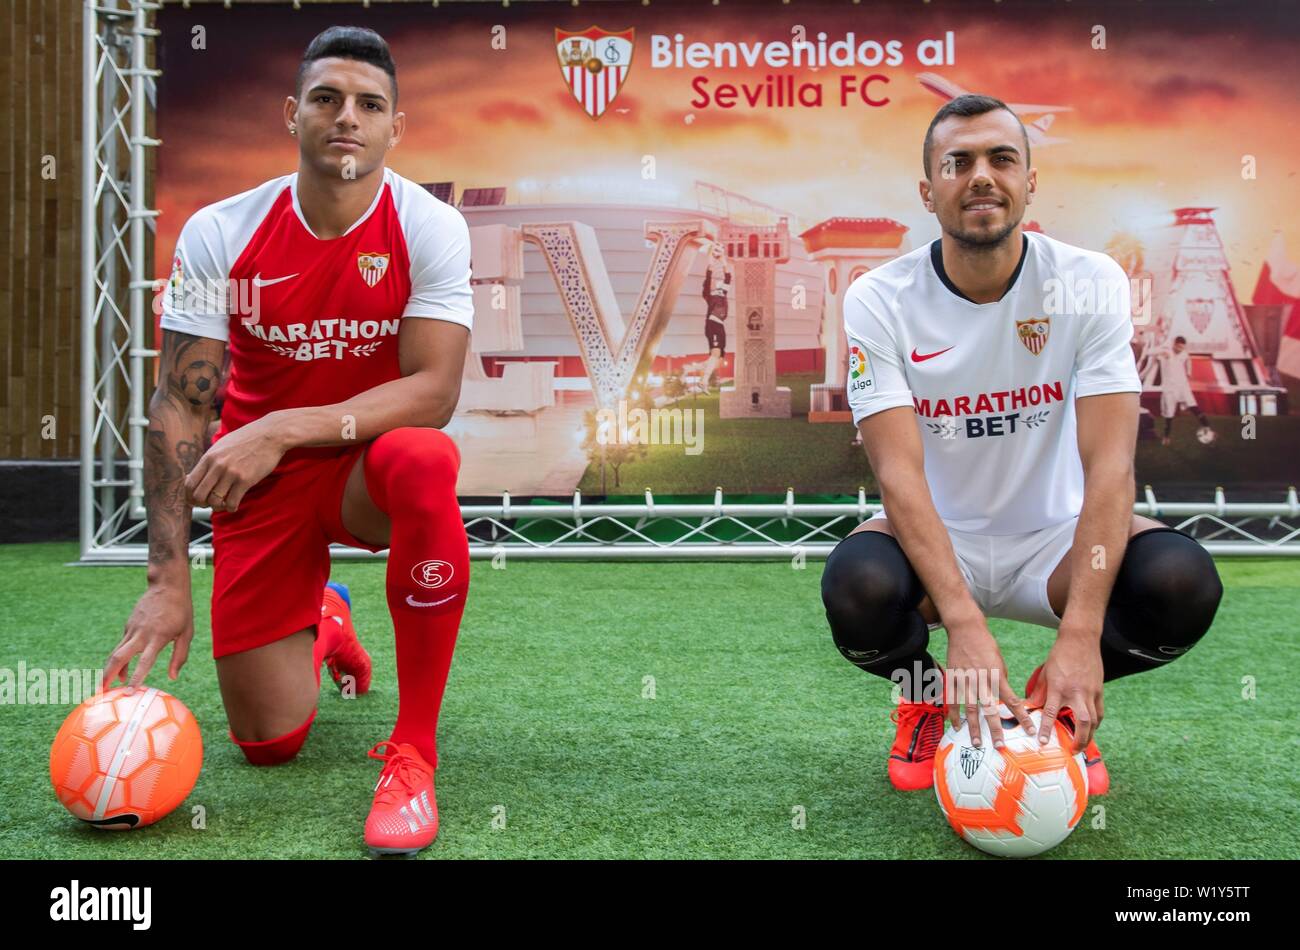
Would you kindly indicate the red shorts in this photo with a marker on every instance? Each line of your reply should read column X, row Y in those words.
column 271, row 557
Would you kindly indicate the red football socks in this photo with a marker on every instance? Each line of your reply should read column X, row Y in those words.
column 411, row 476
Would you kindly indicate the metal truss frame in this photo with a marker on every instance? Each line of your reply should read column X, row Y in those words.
column 789, row 530
column 118, row 97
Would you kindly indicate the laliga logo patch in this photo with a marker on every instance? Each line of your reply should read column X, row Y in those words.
column 856, row 358
column 373, row 267
column 594, row 63
column 432, row 574
column 859, row 369
column 177, row 282
column 970, row 760
column 1033, row 333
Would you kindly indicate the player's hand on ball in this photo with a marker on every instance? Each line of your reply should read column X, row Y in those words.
column 163, row 615
column 233, row 465
column 1072, row 676
column 976, row 679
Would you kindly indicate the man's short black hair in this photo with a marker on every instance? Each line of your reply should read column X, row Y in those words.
column 348, row 42
column 1181, row 339
column 967, row 106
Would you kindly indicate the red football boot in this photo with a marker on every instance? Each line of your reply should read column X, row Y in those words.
column 1098, row 776
column 349, row 658
column 911, row 760
column 404, row 816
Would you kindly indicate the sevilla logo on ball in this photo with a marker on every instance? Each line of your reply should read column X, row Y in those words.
column 432, row 574
column 595, row 63
column 970, row 759
column 373, row 267
column 1033, row 333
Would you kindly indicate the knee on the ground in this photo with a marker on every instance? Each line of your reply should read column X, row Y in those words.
column 275, row 750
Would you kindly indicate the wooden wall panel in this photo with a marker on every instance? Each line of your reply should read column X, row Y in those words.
column 40, row 69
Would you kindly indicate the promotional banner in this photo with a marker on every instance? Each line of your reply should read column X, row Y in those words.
column 667, row 203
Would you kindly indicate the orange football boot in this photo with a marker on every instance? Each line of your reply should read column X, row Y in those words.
column 404, row 816
column 349, row 657
column 911, row 760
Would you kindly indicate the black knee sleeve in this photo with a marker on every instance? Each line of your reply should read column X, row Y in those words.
column 871, row 594
column 1163, row 602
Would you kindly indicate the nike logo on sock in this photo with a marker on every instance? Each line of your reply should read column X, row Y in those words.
column 420, row 603
column 1155, row 659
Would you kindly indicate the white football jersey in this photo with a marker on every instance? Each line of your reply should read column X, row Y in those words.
column 993, row 385
column 1175, row 378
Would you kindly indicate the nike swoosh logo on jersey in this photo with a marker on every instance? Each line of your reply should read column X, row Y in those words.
column 921, row 358
column 420, row 603
column 258, row 282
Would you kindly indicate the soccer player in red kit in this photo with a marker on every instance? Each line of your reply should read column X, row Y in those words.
column 343, row 295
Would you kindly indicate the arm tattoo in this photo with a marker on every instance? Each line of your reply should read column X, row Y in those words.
column 178, row 416
column 188, row 453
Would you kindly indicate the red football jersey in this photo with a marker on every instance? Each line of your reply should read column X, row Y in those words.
column 312, row 322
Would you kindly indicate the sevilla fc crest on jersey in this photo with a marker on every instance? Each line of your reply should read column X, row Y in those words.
column 595, row 64
column 1033, row 333
column 373, row 267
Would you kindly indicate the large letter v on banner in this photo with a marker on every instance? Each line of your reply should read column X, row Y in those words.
column 613, row 352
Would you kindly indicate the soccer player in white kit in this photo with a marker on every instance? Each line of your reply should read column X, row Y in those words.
column 1000, row 421
column 1175, row 386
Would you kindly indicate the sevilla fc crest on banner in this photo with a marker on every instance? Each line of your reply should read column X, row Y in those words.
column 1199, row 311
column 1033, row 333
column 372, row 267
column 595, row 64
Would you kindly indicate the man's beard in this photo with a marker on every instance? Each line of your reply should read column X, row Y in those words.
column 984, row 240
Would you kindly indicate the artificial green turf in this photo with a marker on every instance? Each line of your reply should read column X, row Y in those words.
column 547, row 723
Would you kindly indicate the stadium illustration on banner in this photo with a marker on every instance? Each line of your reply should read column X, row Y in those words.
column 530, row 390
column 593, row 248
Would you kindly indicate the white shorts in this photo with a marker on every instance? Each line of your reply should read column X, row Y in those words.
column 1007, row 573
column 1172, row 402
